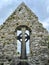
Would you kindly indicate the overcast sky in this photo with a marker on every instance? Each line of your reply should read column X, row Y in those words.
column 39, row 7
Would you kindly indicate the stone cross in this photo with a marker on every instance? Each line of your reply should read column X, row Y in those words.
column 23, row 42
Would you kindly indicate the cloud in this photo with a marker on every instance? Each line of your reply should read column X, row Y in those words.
column 4, row 3
column 47, row 9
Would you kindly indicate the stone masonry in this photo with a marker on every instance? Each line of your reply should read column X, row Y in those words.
column 23, row 17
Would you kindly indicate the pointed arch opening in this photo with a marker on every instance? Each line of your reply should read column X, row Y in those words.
column 23, row 41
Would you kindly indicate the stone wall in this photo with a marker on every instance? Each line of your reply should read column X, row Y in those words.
column 39, row 37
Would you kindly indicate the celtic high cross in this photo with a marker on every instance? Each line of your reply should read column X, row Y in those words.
column 23, row 38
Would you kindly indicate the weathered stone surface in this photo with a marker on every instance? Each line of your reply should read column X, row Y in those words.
column 23, row 16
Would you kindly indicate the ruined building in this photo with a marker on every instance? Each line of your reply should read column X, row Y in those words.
column 20, row 27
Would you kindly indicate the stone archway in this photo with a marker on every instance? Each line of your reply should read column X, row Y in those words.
column 23, row 37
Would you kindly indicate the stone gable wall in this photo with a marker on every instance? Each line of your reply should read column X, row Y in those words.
column 39, row 37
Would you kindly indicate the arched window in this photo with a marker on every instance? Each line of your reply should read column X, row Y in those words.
column 23, row 41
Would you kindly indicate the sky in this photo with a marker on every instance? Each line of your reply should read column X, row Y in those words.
column 39, row 7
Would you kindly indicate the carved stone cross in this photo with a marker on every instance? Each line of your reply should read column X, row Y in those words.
column 23, row 38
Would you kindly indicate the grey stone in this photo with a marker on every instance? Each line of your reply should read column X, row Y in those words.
column 39, row 51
